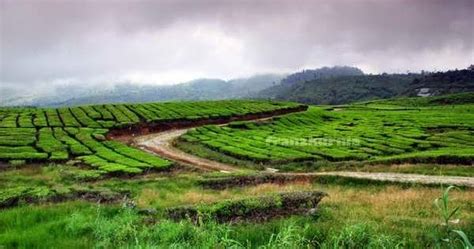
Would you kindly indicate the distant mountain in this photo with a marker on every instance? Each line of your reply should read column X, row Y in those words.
column 327, row 85
column 46, row 96
column 289, row 87
column 321, row 73
column 248, row 86
column 200, row 89
column 342, row 89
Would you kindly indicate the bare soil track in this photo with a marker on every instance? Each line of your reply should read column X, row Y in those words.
column 162, row 144
column 400, row 178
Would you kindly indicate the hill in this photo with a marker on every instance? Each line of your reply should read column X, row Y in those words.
column 326, row 85
column 320, row 73
column 343, row 89
column 440, row 83
column 199, row 89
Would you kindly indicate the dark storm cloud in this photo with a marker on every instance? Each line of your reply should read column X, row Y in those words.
column 168, row 41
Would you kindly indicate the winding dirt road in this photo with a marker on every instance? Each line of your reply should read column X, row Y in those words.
column 400, row 177
column 162, row 145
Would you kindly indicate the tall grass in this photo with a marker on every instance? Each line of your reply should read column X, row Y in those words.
column 361, row 235
column 363, row 218
column 449, row 236
column 126, row 229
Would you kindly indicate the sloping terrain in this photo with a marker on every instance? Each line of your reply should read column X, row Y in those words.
column 228, row 198
column 59, row 135
column 377, row 132
column 162, row 145
column 439, row 83
column 198, row 89
column 341, row 89
column 348, row 88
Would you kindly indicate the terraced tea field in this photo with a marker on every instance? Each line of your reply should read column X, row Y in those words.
column 369, row 133
column 79, row 133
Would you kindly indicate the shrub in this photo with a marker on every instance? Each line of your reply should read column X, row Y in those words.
column 16, row 162
column 450, row 236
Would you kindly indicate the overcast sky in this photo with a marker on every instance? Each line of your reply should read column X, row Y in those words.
column 46, row 42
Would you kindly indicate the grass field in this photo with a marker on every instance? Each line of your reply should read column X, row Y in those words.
column 64, row 183
column 380, row 215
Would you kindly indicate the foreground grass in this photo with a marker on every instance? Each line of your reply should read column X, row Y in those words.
column 112, row 227
column 43, row 226
column 353, row 216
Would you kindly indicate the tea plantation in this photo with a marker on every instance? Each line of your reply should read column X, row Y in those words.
column 68, row 181
column 38, row 135
column 413, row 130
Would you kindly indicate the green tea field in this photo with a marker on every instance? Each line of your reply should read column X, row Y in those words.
column 370, row 133
column 41, row 135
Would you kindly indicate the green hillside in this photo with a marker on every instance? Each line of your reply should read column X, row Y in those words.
column 345, row 89
column 57, row 135
column 392, row 131
column 341, row 89
column 439, row 83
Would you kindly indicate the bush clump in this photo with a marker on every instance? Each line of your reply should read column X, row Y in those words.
column 257, row 209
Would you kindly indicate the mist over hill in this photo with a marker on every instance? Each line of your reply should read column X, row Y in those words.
column 199, row 89
column 326, row 85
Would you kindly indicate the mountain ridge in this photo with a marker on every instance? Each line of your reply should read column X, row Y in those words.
column 326, row 85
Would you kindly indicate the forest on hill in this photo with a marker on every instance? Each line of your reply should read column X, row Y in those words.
column 344, row 89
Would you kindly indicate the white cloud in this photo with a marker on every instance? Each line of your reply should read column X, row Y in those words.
column 165, row 42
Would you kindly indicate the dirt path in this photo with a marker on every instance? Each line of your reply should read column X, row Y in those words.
column 399, row 177
column 162, row 144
